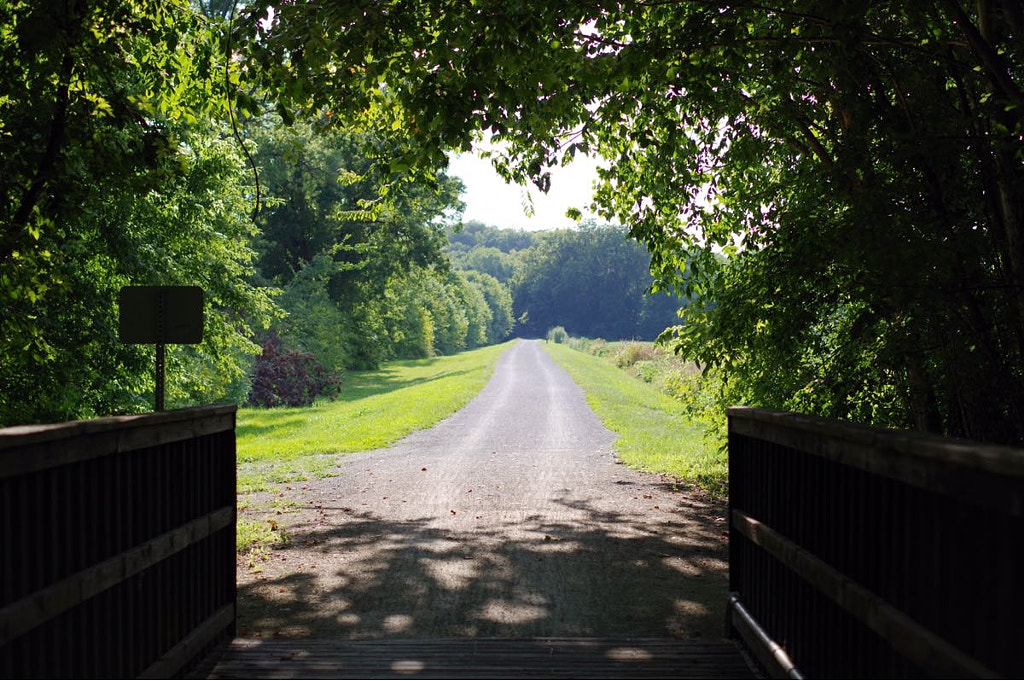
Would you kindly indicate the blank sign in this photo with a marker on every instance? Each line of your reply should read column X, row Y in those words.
column 161, row 314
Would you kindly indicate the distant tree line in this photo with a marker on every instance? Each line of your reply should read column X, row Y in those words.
column 593, row 280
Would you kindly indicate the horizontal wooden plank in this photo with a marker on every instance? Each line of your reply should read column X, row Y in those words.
column 24, row 449
column 957, row 478
column 16, row 436
column 28, row 613
column 879, row 442
column 910, row 639
column 482, row 658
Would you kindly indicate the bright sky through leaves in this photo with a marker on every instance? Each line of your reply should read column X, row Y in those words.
column 490, row 200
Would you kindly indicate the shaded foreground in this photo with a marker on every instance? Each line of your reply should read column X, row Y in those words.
column 511, row 519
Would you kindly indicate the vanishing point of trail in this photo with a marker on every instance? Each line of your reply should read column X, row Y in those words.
column 511, row 518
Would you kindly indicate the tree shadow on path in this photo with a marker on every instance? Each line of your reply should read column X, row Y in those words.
column 593, row 572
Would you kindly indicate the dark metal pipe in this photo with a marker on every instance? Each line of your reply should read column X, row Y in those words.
column 785, row 667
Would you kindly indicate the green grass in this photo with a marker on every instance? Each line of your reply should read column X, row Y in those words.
column 654, row 434
column 254, row 538
column 252, row 533
column 375, row 409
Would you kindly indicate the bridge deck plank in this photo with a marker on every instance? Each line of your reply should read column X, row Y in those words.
column 481, row 658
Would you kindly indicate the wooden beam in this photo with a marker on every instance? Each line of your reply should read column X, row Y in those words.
column 25, row 449
column 28, row 613
column 487, row 658
column 919, row 645
column 988, row 475
column 875, row 444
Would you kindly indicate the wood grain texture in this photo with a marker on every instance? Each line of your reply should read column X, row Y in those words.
column 482, row 658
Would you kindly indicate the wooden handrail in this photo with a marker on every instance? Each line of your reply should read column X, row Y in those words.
column 988, row 474
column 35, row 609
column 24, row 449
column 878, row 443
column 915, row 642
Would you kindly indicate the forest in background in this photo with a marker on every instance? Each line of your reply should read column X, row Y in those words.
column 592, row 280
column 314, row 285
column 859, row 165
column 315, row 258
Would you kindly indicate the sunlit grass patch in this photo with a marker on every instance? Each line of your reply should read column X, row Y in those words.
column 255, row 538
column 263, row 476
column 375, row 409
column 255, row 533
column 654, row 433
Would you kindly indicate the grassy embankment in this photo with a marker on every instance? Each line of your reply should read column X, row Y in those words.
column 375, row 409
column 625, row 384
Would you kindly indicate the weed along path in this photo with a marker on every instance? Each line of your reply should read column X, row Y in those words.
column 511, row 519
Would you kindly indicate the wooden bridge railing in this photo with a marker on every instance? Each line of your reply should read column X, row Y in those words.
column 870, row 553
column 117, row 544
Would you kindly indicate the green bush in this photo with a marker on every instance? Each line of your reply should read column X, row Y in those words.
column 558, row 334
column 599, row 347
column 579, row 344
column 645, row 370
column 632, row 352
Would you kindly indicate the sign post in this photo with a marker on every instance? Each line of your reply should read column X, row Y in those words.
column 158, row 315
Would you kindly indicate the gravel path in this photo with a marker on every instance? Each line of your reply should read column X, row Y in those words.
column 511, row 518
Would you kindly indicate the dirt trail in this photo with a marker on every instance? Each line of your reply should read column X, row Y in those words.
column 511, row 518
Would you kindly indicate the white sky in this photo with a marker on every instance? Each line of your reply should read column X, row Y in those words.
column 491, row 201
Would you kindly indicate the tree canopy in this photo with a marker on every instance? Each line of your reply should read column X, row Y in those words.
column 861, row 166
column 111, row 176
column 120, row 165
column 839, row 187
